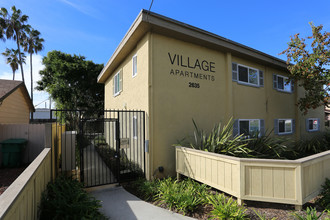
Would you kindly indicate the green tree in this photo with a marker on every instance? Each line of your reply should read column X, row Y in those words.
column 310, row 67
column 12, row 59
column 13, row 26
column 72, row 82
column 32, row 44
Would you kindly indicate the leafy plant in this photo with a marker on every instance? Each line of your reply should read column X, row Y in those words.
column 66, row 199
column 225, row 209
column 219, row 140
column 324, row 200
column 310, row 214
column 263, row 217
column 183, row 196
column 318, row 143
column 269, row 147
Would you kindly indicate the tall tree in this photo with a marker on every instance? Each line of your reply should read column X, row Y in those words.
column 12, row 59
column 32, row 44
column 72, row 82
column 14, row 26
column 310, row 67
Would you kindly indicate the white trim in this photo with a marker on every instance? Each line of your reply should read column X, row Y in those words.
column 114, row 84
column 278, row 125
column 248, row 83
column 134, row 75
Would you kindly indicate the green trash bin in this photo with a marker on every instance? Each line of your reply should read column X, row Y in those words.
column 12, row 150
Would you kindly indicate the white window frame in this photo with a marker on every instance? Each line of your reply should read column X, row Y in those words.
column 239, row 128
column 134, row 73
column 135, row 127
column 318, row 124
column 278, row 125
column 248, row 83
column 285, row 78
column 116, row 79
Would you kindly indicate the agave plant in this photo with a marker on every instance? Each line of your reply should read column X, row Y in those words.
column 220, row 140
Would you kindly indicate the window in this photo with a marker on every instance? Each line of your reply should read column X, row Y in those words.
column 117, row 83
column 134, row 61
column 312, row 124
column 284, row 126
column 247, row 75
column 282, row 83
column 135, row 127
column 249, row 127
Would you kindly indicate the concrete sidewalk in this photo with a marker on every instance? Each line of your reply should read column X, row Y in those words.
column 119, row 204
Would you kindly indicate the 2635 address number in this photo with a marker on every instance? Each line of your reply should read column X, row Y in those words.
column 194, row 85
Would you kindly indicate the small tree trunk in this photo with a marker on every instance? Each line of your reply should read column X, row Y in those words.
column 19, row 55
column 31, row 83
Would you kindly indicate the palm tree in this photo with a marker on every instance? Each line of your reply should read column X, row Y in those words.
column 32, row 44
column 12, row 59
column 14, row 29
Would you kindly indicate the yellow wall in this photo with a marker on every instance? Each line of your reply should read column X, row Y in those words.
column 162, row 89
column 14, row 109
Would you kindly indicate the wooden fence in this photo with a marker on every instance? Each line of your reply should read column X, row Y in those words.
column 34, row 133
column 282, row 181
column 22, row 198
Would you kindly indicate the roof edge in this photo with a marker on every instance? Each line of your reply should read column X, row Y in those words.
column 150, row 19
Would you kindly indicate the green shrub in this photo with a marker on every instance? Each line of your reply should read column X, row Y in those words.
column 310, row 214
column 66, row 199
column 219, row 140
column 324, row 200
column 269, row 147
column 225, row 209
column 317, row 144
column 183, row 196
column 146, row 189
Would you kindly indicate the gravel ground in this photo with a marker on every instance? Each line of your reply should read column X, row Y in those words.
column 8, row 175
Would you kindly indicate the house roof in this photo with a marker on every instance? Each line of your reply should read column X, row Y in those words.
column 149, row 21
column 7, row 87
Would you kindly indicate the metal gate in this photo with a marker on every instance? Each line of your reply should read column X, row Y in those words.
column 101, row 148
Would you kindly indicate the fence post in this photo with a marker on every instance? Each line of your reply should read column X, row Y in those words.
column 117, row 155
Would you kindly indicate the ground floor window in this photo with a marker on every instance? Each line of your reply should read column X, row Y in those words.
column 312, row 124
column 284, row 126
column 249, row 127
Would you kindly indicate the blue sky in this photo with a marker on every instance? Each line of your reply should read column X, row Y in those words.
column 94, row 28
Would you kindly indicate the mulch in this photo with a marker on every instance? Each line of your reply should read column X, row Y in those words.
column 8, row 175
column 268, row 210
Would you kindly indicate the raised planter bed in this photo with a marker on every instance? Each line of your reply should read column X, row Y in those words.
column 281, row 181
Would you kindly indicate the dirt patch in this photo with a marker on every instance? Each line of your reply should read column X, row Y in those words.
column 9, row 175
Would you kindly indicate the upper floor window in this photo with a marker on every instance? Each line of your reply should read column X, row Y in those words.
column 312, row 124
column 117, row 83
column 134, row 59
column 282, row 83
column 247, row 75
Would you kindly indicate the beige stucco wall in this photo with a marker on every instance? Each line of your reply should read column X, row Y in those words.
column 175, row 104
column 134, row 95
column 171, row 104
column 14, row 109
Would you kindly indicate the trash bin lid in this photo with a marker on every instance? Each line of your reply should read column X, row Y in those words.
column 14, row 141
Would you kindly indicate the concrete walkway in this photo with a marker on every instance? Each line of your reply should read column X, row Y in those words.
column 118, row 204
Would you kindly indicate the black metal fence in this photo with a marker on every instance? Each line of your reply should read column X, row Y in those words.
column 101, row 148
